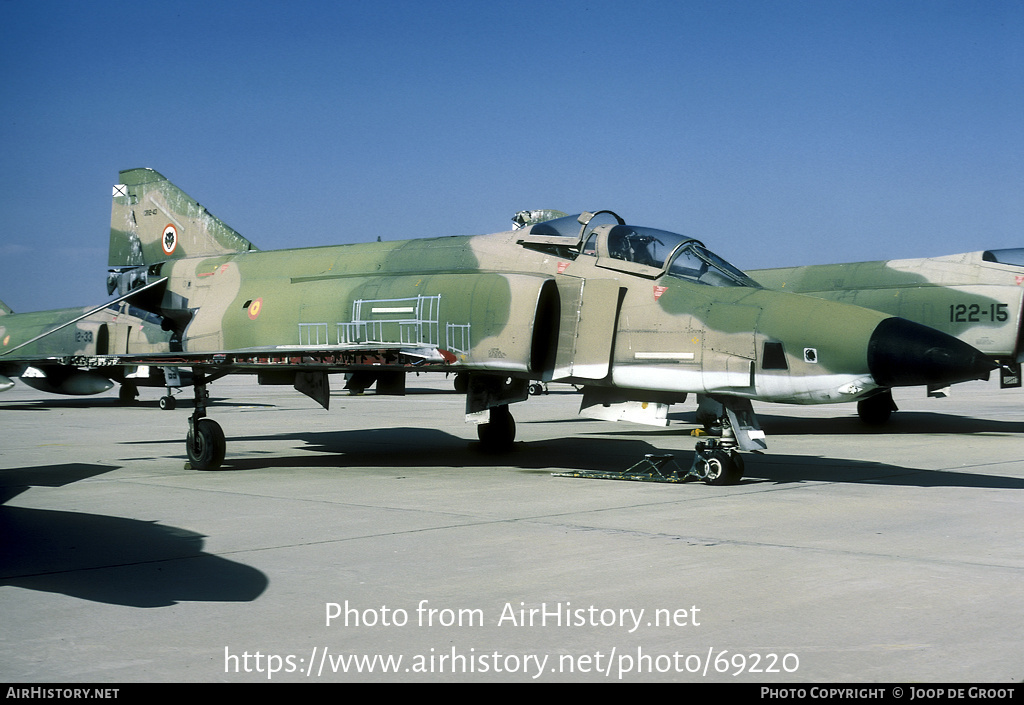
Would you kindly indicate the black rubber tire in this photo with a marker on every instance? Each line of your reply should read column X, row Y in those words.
column 498, row 435
column 207, row 447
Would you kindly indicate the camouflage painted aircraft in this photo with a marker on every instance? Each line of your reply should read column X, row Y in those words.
column 54, row 351
column 639, row 317
column 978, row 297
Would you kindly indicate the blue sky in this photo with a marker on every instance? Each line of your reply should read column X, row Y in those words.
column 778, row 132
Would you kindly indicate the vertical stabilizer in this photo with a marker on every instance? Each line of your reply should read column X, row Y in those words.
column 152, row 220
column 4, row 309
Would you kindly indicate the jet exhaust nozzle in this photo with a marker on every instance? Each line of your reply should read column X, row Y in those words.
column 902, row 353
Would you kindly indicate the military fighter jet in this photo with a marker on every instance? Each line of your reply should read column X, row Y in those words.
column 639, row 317
column 57, row 351
column 978, row 297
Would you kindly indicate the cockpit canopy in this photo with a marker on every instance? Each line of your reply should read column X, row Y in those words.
column 1009, row 256
column 628, row 248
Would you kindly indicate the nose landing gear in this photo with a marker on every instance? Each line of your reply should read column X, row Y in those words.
column 715, row 464
column 716, row 461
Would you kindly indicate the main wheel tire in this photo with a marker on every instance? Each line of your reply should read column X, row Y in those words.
column 206, row 445
column 127, row 393
column 498, row 435
column 876, row 410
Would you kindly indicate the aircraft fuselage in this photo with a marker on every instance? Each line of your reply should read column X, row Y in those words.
column 498, row 306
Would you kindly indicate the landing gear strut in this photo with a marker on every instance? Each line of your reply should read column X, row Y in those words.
column 205, row 442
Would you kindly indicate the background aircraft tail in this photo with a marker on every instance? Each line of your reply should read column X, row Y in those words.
column 152, row 220
column 4, row 309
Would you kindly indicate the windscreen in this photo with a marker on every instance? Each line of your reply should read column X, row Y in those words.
column 1010, row 256
column 695, row 262
column 689, row 258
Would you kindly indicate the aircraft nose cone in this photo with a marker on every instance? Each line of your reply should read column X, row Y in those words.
column 902, row 353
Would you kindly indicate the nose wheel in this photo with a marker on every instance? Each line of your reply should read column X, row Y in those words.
column 716, row 465
column 716, row 461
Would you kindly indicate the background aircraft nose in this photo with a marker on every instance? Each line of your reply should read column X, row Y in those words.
column 902, row 353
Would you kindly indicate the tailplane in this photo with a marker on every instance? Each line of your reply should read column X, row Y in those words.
column 152, row 220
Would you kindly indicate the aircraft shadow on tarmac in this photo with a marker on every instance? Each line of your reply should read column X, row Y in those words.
column 109, row 559
column 410, row 448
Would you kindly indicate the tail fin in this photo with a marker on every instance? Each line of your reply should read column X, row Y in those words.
column 152, row 220
column 5, row 309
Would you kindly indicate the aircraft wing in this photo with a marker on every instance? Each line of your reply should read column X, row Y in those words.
column 327, row 358
column 304, row 366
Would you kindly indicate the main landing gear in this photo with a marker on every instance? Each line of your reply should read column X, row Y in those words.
column 493, row 394
column 127, row 393
column 876, row 409
column 499, row 433
column 205, row 442
column 173, row 379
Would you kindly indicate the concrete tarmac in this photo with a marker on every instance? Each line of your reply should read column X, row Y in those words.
column 376, row 542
